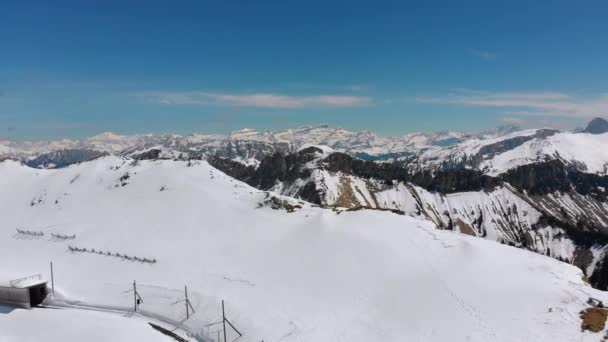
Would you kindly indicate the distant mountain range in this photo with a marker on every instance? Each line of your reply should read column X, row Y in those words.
column 493, row 151
column 364, row 142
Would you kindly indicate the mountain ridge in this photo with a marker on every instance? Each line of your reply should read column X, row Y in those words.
column 430, row 150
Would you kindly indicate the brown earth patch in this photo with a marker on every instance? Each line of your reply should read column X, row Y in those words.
column 347, row 198
column 292, row 207
column 585, row 279
column 594, row 319
column 464, row 228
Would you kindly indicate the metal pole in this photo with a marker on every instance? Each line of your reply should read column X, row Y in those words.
column 224, row 320
column 233, row 327
column 134, row 296
column 187, row 308
column 52, row 280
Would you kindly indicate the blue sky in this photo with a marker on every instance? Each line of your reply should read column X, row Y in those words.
column 78, row 68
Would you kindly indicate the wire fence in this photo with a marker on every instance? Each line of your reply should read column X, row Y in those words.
column 108, row 253
column 178, row 307
column 181, row 308
column 30, row 232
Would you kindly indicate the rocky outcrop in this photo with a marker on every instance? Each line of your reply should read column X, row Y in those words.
column 233, row 168
column 540, row 178
column 152, row 154
column 597, row 126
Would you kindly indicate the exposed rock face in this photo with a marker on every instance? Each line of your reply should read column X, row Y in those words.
column 597, row 126
column 283, row 168
column 148, row 155
column 541, row 178
column 341, row 162
column 275, row 169
column 599, row 278
column 549, row 207
column 233, row 168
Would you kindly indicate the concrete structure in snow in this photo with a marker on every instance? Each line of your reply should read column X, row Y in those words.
column 24, row 292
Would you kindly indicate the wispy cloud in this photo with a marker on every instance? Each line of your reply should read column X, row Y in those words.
column 357, row 87
column 528, row 103
column 483, row 54
column 262, row 100
column 534, row 122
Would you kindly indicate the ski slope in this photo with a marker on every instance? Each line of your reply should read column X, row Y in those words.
column 310, row 275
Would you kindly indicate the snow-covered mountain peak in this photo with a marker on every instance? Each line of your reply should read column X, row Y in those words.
column 108, row 136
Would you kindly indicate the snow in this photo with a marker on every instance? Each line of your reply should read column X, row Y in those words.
column 397, row 197
column 311, row 275
column 473, row 146
column 73, row 325
column 23, row 282
column 467, row 147
column 577, row 148
column 338, row 139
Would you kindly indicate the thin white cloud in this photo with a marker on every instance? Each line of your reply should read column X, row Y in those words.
column 483, row 54
column 337, row 100
column 533, row 122
column 528, row 103
column 262, row 100
column 357, row 87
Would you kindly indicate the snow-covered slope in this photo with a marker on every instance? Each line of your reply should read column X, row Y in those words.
column 72, row 325
column 494, row 156
column 308, row 275
column 587, row 152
